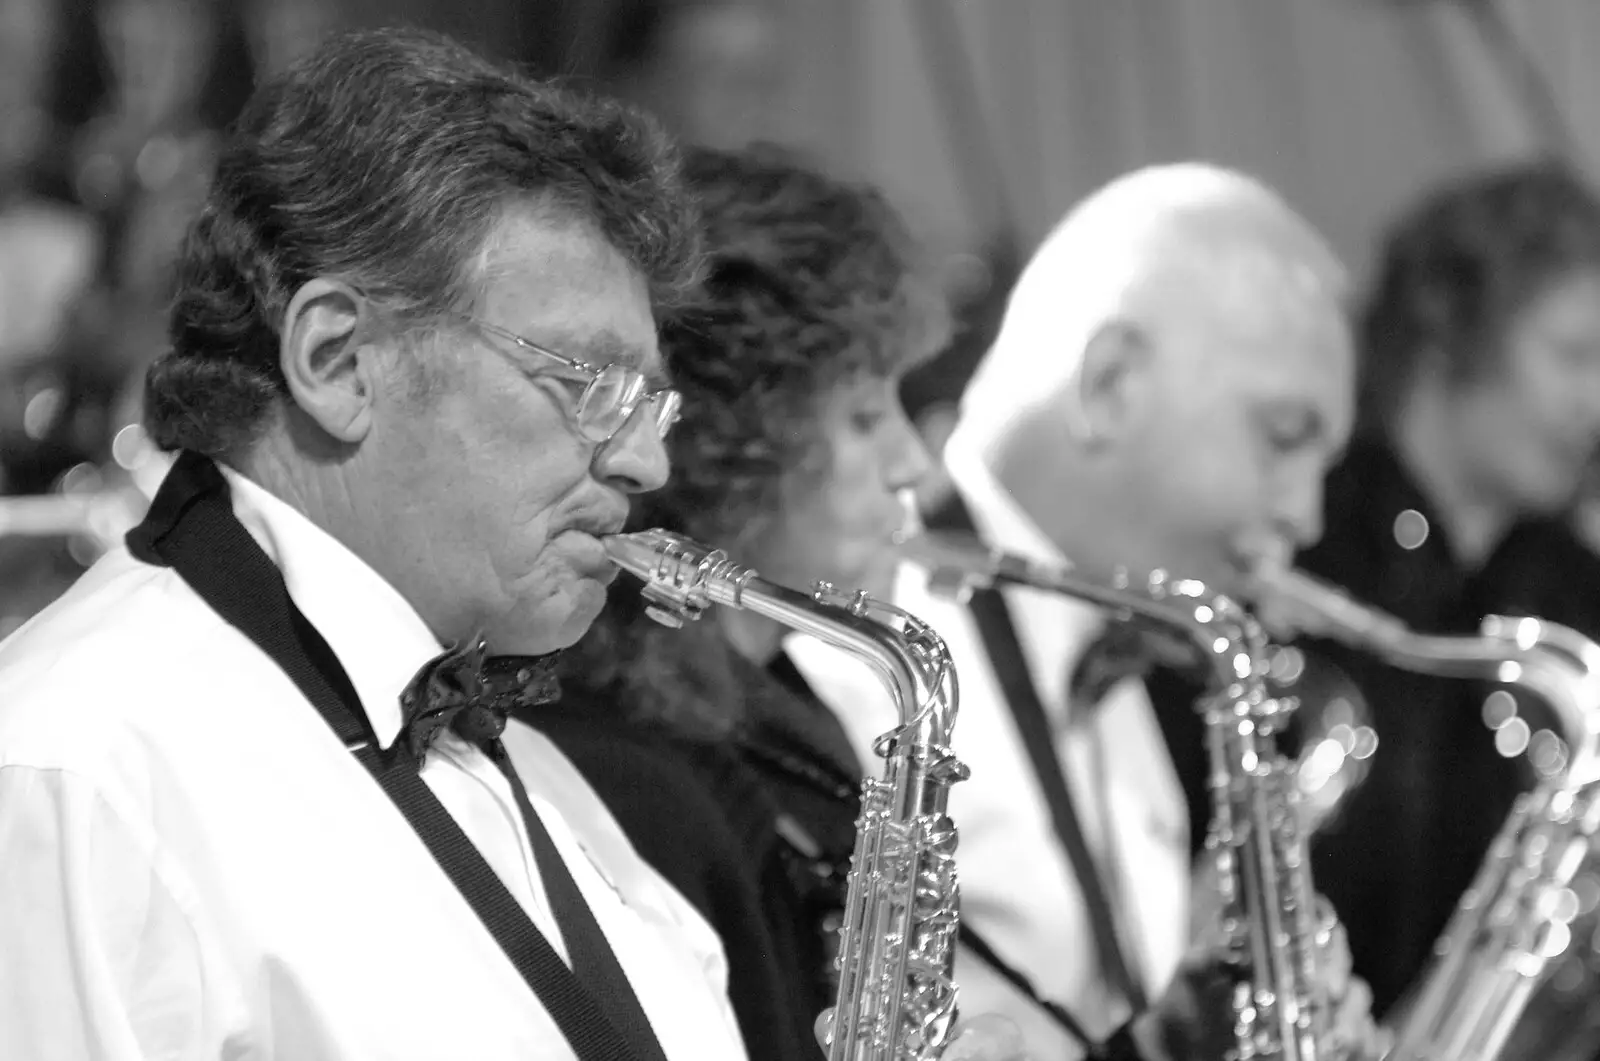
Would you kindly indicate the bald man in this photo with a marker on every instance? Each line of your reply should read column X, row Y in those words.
column 1172, row 378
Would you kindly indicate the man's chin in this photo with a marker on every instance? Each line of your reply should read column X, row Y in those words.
column 556, row 624
column 582, row 610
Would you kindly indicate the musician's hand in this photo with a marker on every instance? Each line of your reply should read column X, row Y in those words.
column 1285, row 618
column 983, row 1038
column 1193, row 1019
column 1195, row 1016
column 1355, row 1034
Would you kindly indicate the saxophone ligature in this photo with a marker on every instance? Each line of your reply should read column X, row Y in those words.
column 896, row 998
column 1517, row 917
column 1275, row 928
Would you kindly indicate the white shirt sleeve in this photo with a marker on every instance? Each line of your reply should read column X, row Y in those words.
column 100, row 954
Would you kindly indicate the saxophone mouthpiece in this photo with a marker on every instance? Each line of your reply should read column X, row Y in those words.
column 912, row 525
column 1288, row 597
column 653, row 558
column 681, row 578
column 637, row 554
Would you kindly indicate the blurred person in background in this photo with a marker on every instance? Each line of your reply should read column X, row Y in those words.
column 49, row 257
column 730, row 776
column 1478, row 418
column 30, row 34
column 176, row 71
column 1171, row 380
column 280, row 31
column 710, row 68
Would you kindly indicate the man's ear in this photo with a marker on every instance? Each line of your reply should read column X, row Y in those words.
column 332, row 373
column 1115, row 361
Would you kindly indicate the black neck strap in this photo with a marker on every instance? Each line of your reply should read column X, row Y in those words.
column 1010, row 667
column 191, row 528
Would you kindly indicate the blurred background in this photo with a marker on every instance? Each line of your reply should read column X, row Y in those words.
column 986, row 119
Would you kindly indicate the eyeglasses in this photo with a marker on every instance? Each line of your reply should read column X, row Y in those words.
column 611, row 393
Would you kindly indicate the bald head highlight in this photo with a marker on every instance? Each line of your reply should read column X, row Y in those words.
column 1162, row 251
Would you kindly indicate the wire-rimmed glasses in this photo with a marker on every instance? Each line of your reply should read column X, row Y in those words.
column 611, row 393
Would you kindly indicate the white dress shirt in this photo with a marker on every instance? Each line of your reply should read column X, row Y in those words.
column 192, row 866
column 1018, row 888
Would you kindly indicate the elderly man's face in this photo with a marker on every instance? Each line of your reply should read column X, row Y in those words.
column 1251, row 403
column 506, row 497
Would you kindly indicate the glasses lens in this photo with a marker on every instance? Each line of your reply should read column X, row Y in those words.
column 667, row 407
column 608, row 401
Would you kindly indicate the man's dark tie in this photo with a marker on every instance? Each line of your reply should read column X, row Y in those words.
column 471, row 693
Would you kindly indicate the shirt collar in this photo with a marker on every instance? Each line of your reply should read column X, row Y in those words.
column 377, row 635
column 1001, row 522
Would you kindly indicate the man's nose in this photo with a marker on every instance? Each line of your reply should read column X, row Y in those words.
column 1300, row 517
column 907, row 461
column 635, row 459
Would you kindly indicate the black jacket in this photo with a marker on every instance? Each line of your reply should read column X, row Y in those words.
column 756, row 831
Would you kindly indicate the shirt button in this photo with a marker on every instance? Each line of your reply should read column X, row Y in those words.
column 1410, row 529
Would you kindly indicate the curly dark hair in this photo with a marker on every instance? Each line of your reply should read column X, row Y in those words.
column 810, row 282
column 1457, row 269
column 384, row 158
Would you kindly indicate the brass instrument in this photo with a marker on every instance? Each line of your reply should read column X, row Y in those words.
column 1332, row 723
column 896, row 999
column 92, row 506
column 1270, row 907
column 101, row 518
column 1517, row 917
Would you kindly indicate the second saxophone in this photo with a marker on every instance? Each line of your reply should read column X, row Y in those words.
column 1270, row 908
column 896, row 999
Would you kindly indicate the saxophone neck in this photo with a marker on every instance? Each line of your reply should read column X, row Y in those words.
column 682, row 578
column 1555, row 662
column 1219, row 636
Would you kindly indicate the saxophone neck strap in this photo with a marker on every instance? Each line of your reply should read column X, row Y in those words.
column 1010, row 667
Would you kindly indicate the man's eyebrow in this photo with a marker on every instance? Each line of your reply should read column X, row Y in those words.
column 606, row 347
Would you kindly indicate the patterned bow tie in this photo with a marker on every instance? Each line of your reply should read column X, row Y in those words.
column 1125, row 650
column 471, row 692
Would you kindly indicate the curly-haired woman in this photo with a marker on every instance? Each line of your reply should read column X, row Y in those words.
column 1480, row 411
column 728, row 774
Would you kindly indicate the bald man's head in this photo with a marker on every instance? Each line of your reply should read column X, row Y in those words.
column 1178, row 344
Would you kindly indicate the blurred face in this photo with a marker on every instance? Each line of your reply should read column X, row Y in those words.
column 1527, row 430
column 283, row 30
column 719, row 73
column 501, row 499
column 159, row 52
column 27, row 39
column 840, row 511
column 27, row 32
column 1245, row 411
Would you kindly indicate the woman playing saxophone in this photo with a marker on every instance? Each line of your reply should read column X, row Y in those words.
column 728, row 775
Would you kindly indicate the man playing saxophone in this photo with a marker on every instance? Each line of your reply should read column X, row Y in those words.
column 1172, row 378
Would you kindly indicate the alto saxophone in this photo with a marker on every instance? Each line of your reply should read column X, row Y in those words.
column 1516, row 918
column 896, row 998
column 1271, row 910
